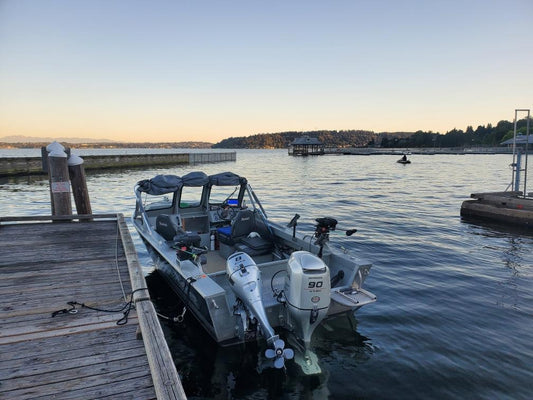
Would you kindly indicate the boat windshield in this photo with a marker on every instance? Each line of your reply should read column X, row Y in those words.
column 151, row 202
column 191, row 196
column 224, row 194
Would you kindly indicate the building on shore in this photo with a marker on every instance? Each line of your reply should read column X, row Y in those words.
column 306, row 146
column 520, row 141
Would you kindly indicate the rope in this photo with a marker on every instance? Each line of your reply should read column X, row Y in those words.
column 178, row 318
column 125, row 309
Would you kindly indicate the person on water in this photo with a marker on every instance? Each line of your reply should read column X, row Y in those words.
column 404, row 158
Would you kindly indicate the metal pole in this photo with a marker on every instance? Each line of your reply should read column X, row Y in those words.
column 514, row 173
column 527, row 147
column 516, row 167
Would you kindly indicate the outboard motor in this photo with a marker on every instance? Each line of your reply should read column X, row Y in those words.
column 307, row 293
column 307, row 298
column 245, row 280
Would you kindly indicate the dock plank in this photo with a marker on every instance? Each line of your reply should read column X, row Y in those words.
column 84, row 355
column 95, row 341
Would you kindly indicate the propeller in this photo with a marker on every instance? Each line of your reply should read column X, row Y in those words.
column 279, row 353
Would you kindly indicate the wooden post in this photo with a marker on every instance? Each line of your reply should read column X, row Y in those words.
column 59, row 181
column 44, row 159
column 79, row 186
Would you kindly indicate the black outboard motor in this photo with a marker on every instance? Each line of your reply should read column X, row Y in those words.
column 322, row 229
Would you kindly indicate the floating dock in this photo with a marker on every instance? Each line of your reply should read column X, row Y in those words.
column 10, row 166
column 50, row 348
column 511, row 208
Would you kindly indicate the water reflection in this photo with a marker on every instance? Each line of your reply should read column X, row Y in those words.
column 511, row 245
column 7, row 181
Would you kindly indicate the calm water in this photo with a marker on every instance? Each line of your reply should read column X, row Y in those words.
column 454, row 317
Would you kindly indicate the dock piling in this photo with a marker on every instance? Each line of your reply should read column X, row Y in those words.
column 59, row 180
column 79, row 185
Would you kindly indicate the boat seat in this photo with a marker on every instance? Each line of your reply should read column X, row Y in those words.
column 167, row 226
column 254, row 246
column 248, row 233
column 186, row 239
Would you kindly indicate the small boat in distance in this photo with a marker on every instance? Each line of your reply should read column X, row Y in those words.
column 242, row 275
column 404, row 160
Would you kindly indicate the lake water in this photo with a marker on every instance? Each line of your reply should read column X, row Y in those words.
column 454, row 316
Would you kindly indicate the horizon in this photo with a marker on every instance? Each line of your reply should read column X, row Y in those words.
column 131, row 71
column 84, row 140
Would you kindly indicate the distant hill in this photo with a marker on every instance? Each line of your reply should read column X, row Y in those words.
column 31, row 139
column 11, row 142
column 488, row 135
column 349, row 138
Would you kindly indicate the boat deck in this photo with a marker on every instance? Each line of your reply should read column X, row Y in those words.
column 215, row 262
column 46, row 351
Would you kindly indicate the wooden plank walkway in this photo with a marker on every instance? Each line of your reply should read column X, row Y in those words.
column 82, row 355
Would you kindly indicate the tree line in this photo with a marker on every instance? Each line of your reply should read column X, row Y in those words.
column 488, row 135
column 482, row 136
column 333, row 138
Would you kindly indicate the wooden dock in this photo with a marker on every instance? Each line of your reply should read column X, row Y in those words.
column 12, row 166
column 86, row 354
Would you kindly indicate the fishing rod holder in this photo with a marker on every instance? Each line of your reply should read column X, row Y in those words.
column 293, row 223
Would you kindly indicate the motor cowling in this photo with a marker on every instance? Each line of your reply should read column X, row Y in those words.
column 307, row 293
column 245, row 280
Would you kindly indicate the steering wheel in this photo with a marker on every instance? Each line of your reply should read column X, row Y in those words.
column 226, row 212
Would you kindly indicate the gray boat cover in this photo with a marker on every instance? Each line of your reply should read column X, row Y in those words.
column 196, row 178
column 226, row 179
column 160, row 184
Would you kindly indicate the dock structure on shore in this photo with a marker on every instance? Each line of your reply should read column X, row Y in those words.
column 10, row 166
column 74, row 303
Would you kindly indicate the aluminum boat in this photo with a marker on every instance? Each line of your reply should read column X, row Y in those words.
column 243, row 276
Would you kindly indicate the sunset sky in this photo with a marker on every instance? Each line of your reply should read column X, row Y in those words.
column 208, row 70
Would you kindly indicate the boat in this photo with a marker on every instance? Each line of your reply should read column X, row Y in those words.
column 402, row 161
column 244, row 277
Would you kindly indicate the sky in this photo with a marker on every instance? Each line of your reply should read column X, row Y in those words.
column 156, row 71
